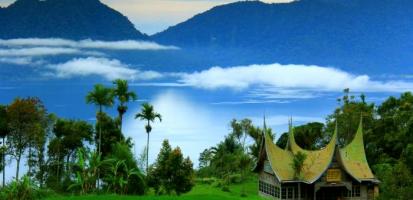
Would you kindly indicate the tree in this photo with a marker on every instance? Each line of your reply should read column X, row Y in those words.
column 25, row 119
column 171, row 172
column 121, row 91
column 149, row 115
column 283, row 140
column 101, row 96
column 3, row 134
column 309, row 136
column 181, row 178
column 240, row 130
column 72, row 134
column 347, row 117
column 110, row 133
column 39, row 144
column 257, row 134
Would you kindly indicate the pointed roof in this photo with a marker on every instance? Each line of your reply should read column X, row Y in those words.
column 353, row 158
column 317, row 162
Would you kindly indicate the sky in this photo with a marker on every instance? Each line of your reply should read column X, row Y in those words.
column 152, row 16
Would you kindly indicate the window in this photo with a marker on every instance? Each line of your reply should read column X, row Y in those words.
column 269, row 189
column 356, row 190
column 290, row 192
column 284, row 193
column 267, row 167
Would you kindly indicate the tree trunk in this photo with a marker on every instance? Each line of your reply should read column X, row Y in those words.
column 120, row 123
column 67, row 163
column 147, row 153
column 4, row 164
column 30, row 161
column 18, row 166
column 100, row 140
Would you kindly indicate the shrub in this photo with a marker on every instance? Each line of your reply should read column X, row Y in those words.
column 22, row 190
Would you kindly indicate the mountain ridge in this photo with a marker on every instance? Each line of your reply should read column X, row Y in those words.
column 355, row 34
column 70, row 19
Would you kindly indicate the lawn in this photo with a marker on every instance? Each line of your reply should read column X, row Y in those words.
column 199, row 192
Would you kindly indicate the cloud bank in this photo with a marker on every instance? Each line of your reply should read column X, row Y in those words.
column 288, row 79
column 86, row 44
column 103, row 67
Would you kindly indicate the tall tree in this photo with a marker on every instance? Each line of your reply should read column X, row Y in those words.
column 149, row 115
column 240, row 130
column 123, row 95
column 110, row 134
column 3, row 134
column 72, row 134
column 101, row 96
column 25, row 118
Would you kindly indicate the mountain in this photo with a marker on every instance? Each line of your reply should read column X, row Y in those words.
column 357, row 34
column 71, row 19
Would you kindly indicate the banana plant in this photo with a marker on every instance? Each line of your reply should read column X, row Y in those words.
column 87, row 166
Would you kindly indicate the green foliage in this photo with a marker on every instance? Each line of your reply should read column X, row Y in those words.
column 397, row 181
column 23, row 189
column 86, row 170
column 27, row 122
column 347, row 117
column 298, row 164
column 110, row 133
column 123, row 95
column 283, row 140
column 69, row 135
column 171, row 172
column 124, row 177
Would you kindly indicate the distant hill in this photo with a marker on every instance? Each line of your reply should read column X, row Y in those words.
column 345, row 33
column 72, row 19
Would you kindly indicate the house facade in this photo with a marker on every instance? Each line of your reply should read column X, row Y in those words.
column 331, row 173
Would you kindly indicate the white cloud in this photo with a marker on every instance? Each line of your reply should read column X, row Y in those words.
column 106, row 68
column 38, row 51
column 288, row 79
column 86, row 44
column 17, row 61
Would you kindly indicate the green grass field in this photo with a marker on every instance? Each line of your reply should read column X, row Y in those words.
column 199, row 192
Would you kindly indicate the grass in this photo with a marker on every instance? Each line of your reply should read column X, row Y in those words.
column 199, row 192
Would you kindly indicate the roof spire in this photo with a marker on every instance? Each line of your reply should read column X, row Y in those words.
column 290, row 129
column 336, row 131
column 264, row 129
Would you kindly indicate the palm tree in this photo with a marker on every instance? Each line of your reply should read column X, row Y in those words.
column 101, row 96
column 121, row 91
column 149, row 115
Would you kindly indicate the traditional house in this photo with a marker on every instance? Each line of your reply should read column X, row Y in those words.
column 331, row 173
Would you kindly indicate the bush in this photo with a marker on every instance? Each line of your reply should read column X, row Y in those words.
column 22, row 190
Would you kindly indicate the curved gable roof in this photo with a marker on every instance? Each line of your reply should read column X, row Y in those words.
column 280, row 160
column 317, row 162
column 353, row 158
